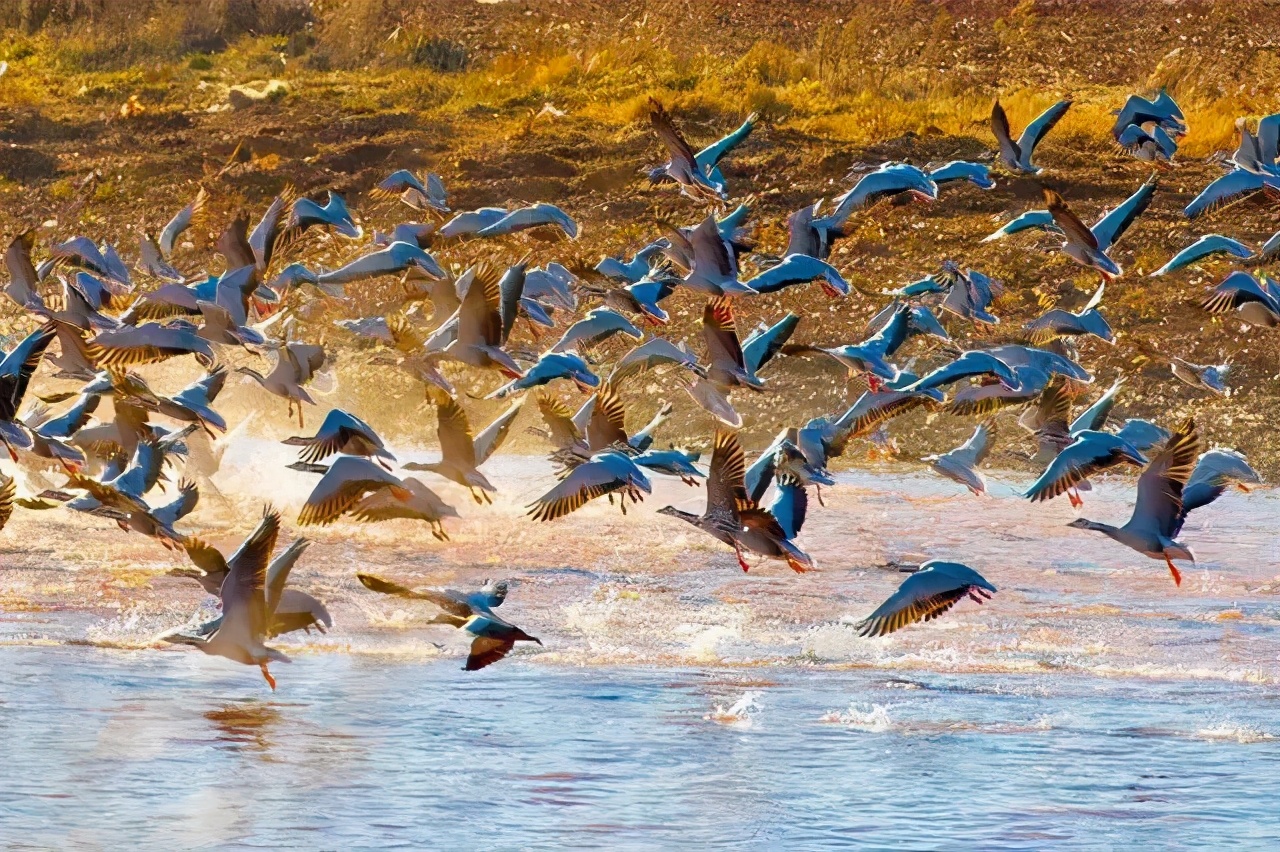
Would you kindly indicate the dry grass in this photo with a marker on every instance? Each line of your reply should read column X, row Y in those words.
column 380, row 84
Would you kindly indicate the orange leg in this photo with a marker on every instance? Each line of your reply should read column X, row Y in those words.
column 1173, row 569
column 1074, row 497
column 741, row 561
column 271, row 682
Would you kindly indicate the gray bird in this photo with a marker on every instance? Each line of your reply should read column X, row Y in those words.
column 1155, row 520
column 1017, row 155
column 296, row 363
column 423, row 504
column 1057, row 322
column 249, row 604
column 604, row 474
column 472, row 613
column 1215, row 471
column 683, row 166
column 1209, row 377
column 595, row 327
column 461, row 454
column 929, row 592
column 295, row 610
column 420, row 194
column 341, row 433
column 534, row 216
column 343, row 485
column 733, row 517
column 961, row 464
column 190, row 215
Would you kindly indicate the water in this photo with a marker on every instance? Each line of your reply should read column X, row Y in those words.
column 166, row 751
column 677, row 702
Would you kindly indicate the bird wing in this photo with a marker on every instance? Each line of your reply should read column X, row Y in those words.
column 923, row 596
column 1009, row 149
column 480, row 320
column 709, row 250
column 677, row 148
column 493, row 435
column 710, row 156
column 1087, row 454
column 607, row 425
column 584, row 483
column 1070, row 224
column 721, row 336
column 1111, row 227
column 790, row 504
column 726, row 476
column 1160, row 486
column 510, row 289
column 446, row 602
column 486, row 650
column 190, row 215
column 761, row 345
column 1095, row 416
column 1232, row 187
column 559, row 419
column 1040, row 125
column 347, row 480
column 244, row 602
column 8, row 493
column 457, row 444
column 654, row 352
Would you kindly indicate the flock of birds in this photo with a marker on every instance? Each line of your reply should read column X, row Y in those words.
column 82, row 295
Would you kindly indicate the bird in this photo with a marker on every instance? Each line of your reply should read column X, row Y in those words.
column 1017, row 155
column 341, row 433
column 733, row 517
column 1155, row 520
column 1209, row 377
column 190, row 215
column 427, row 193
column 932, row 589
column 887, row 181
column 461, row 454
column 494, row 637
column 682, row 167
column 549, row 367
column 1207, row 246
column 713, row 269
column 296, row 364
column 344, row 484
column 1088, row 453
column 603, row 474
column 1109, row 228
column 526, row 218
column 1057, row 322
column 1256, row 301
column 1081, row 245
column 16, row 369
column 799, row 269
column 334, row 214
column 294, row 610
column 596, row 326
column 392, row 260
column 960, row 171
column 1214, row 472
column 961, row 464
column 249, row 604
column 634, row 270
column 421, row 504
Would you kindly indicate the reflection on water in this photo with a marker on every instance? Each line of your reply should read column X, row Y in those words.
column 245, row 724
column 371, row 752
column 677, row 702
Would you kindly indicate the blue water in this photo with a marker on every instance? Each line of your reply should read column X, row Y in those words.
column 164, row 750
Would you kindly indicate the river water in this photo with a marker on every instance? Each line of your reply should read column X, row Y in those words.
column 677, row 702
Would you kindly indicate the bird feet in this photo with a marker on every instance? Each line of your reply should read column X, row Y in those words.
column 271, row 682
column 1074, row 497
column 1173, row 569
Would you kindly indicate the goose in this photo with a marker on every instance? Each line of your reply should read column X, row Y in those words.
column 494, row 637
column 1017, row 155
column 1155, row 520
column 930, row 591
